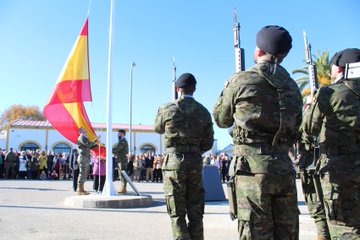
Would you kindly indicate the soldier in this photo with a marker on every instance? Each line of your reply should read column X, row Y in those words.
column 310, row 181
column 264, row 106
column 188, row 133
column 120, row 150
column 84, row 146
column 335, row 118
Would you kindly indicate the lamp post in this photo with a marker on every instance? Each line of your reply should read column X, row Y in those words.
column 130, row 107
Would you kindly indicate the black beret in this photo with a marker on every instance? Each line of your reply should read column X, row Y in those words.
column 122, row 131
column 185, row 80
column 349, row 55
column 274, row 40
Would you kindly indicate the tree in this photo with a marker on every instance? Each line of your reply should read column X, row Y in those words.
column 323, row 69
column 20, row 112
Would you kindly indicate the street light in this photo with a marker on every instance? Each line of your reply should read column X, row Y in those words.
column 130, row 107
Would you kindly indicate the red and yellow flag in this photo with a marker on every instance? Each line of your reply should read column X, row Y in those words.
column 65, row 109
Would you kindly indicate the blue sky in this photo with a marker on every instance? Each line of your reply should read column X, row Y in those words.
column 36, row 37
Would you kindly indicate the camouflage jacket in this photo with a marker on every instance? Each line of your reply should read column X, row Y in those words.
column 335, row 117
column 121, row 149
column 185, row 122
column 84, row 145
column 262, row 107
column 305, row 146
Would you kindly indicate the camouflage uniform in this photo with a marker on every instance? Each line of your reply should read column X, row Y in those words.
column 188, row 133
column 335, row 117
column 120, row 150
column 265, row 112
column 310, row 181
column 84, row 146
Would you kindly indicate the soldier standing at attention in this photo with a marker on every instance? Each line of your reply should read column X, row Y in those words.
column 334, row 116
column 84, row 146
column 188, row 133
column 310, row 180
column 120, row 151
column 265, row 106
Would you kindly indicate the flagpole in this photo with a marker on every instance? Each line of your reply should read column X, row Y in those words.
column 130, row 108
column 109, row 189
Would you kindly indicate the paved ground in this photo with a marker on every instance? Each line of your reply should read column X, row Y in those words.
column 35, row 210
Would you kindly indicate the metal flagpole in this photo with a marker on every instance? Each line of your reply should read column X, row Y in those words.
column 130, row 108
column 99, row 159
column 109, row 189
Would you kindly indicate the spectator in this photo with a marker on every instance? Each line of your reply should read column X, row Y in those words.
column 22, row 165
column 74, row 166
column 50, row 161
column 11, row 162
column 34, row 165
column 99, row 173
column 2, row 160
column 158, row 168
column 43, row 164
column 225, row 168
column 137, row 168
column 218, row 164
column 115, row 169
column 130, row 167
column 149, row 162
column 56, row 165
column 143, row 169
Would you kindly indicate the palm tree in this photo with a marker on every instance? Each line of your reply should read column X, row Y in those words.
column 323, row 68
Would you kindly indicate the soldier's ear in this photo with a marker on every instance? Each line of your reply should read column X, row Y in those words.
column 259, row 52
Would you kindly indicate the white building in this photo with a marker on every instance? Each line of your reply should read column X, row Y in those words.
column 24, row 134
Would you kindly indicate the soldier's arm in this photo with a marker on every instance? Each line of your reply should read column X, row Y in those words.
column 313, row 118
column 85, row 142
column 159, row 125
column 115, row 149
column 224, row 108
column 208, row 139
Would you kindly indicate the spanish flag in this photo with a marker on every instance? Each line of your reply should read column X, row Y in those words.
column 65, row 109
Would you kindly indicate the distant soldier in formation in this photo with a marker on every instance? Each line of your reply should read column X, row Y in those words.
column 335, row 118
column 84, row 146
column 264, row 106
column 188, row 132
column 121, row 150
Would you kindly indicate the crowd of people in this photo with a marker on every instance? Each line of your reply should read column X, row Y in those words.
column 37, row 164
column 144, row 167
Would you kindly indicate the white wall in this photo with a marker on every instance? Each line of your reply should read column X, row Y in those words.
column 142, row 138
column 18, row 136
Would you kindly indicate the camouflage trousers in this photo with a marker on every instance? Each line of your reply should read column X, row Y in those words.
column 185, row 196
column 267, row 207
column 315, row 205
column 84, row 166
column 342, row 206
column 122, row 165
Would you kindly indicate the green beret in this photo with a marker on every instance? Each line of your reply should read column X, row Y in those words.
column 349, row 55
column 185, row 80
column 274, row 40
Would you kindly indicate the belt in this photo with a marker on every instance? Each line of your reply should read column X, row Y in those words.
column 339, row 150
column 259, row 149
column 183, row 149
